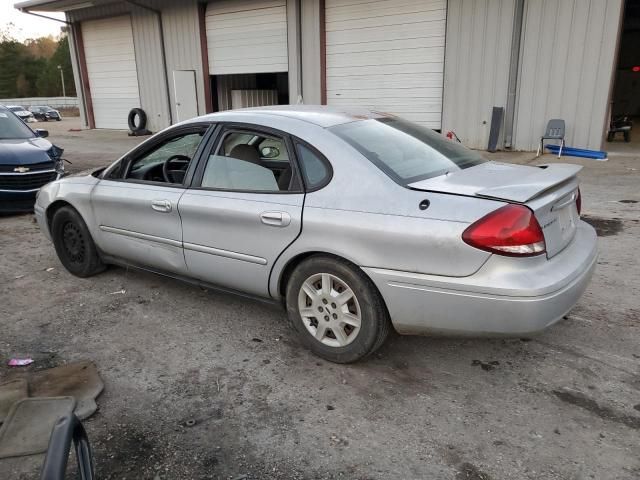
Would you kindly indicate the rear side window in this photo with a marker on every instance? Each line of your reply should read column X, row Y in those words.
column 316, row 171
column 405, row 151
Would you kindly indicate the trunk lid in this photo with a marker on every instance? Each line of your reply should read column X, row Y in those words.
column 550, row 191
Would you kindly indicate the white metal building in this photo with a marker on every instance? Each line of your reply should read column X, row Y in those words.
column 442, row 63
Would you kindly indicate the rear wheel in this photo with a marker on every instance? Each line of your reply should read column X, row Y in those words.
column 73, row 243
column 627, row 136
column 336, row 309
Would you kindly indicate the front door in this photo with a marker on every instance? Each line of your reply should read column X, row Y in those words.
column 184, row 84
column 245, row 208
column 136, row 204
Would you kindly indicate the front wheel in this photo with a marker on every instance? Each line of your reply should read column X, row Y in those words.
column 336, row 309
column 73, row 243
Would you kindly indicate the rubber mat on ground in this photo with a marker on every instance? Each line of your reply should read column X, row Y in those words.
column 10, row 393
column 79, row 380
column 27, row 428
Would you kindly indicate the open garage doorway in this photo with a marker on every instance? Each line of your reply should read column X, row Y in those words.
column 247, row 52
column 624, row 127
column 250, row 90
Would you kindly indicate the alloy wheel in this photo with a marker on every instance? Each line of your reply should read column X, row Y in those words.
column 329, row 310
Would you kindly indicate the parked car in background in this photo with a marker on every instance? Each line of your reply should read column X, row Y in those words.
column 22, row 113
column 27, row 162
column 45, row 113
column 356, row 221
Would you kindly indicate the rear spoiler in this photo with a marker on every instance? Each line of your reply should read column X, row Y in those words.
column 533, row 185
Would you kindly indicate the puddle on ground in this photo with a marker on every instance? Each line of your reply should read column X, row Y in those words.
column 605, row 227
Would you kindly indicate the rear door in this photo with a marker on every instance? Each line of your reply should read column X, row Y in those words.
column 136, row 204
column 243, row 210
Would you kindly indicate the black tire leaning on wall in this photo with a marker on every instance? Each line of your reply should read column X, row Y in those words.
column 141, row 127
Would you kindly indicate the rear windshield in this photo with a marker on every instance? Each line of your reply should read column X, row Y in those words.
column 406, row 152
column 11, row 127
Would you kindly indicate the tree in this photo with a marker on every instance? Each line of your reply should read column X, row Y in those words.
column 30, row 69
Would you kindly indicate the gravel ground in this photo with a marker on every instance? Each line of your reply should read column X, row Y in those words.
column 201, row 384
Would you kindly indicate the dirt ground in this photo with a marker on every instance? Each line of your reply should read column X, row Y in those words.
column 201, row 385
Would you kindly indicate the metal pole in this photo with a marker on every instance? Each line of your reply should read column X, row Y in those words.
column 514, row 64
column 64, row 92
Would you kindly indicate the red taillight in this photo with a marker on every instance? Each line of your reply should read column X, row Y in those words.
column 511, row 230
column 579, row 202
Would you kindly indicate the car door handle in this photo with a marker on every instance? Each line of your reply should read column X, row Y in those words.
column 276, row 219
column 161, row 205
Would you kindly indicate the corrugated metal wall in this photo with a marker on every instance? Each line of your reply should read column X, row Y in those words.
column 476, row 71
column 566, row 61
column 310, row 47
column 153, row 87
column 182, row 46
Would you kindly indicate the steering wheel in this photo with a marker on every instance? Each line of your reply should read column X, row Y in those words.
column 174, row 168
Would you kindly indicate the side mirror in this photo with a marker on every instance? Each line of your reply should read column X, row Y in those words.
column 41, row 132
column 68, row 429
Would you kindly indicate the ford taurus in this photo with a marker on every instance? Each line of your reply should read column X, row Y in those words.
column 356, row 221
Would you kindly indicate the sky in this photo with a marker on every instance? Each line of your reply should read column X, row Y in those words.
column 27, row 26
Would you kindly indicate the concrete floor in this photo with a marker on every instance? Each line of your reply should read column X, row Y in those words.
column 564, row 405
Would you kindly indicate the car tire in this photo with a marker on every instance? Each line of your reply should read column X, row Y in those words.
column 73, row 243
column 326, row 334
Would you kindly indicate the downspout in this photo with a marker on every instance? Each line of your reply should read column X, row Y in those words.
column 163, row 52
column 514, row 64
column 300, row 98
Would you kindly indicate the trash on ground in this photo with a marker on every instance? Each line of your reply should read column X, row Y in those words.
column 20, row 362
column 119, row 292
column 486, row 366
column 50, row 269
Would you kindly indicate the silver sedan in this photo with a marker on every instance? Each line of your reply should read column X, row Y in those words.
column 356, row 221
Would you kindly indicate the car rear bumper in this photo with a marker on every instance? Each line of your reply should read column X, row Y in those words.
column 506, row 296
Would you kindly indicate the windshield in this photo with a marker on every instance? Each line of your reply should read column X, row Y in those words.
column 405, row 151
column 11, row 127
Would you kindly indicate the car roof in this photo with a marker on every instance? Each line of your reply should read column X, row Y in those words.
column 321, row 115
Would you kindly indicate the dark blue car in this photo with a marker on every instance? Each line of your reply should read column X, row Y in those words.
column 27, row 162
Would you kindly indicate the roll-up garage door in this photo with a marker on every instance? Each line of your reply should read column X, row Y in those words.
column 387, row 55
column 247, row 36
column 111, row 67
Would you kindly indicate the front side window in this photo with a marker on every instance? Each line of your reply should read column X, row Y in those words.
column 247, row 161
column 406, row 152
column 167, row 162
column 11, row 127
